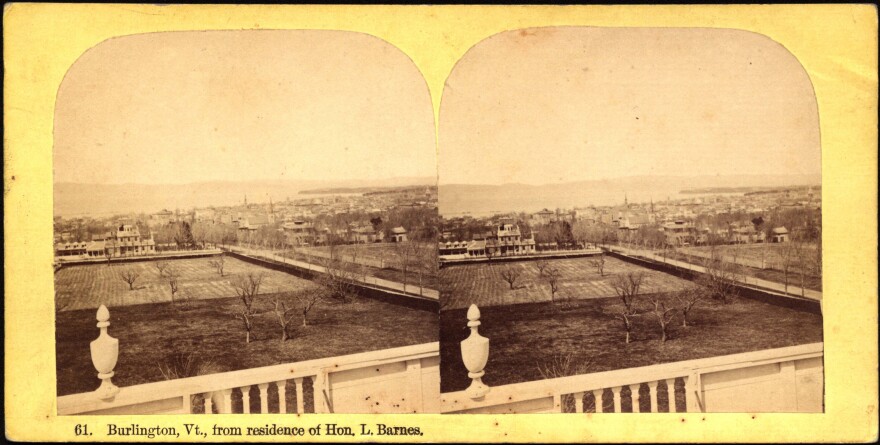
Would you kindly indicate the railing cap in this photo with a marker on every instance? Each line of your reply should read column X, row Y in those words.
column 473, row 313
column 103, row 314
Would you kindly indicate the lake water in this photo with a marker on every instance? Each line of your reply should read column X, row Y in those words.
column 454, row 203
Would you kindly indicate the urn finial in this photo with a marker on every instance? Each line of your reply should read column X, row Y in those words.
column 475, row 354
column 105, row 352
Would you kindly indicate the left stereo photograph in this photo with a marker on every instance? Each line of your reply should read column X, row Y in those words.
column 245, row 222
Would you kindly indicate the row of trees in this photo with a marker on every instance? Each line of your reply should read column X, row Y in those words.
column 335, row 286
column 719, row 283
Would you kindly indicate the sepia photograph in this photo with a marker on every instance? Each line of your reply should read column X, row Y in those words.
column 631, row 222
column 245, row 222
column 440, row 223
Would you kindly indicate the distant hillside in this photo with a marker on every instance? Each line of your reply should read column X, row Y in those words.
column 363, row 190
column 458, row 199
column 75, row 199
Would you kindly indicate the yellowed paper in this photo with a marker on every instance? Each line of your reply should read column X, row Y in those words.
column 835, row 44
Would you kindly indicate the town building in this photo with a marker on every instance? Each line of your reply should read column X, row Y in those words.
column 398, row 235
column 124, row 241
column 161, row 218
column 779, row 235
column 679, row 233
column 299, row 233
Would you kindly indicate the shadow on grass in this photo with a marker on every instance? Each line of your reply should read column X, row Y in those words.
column 151, row 334
column 525, row 337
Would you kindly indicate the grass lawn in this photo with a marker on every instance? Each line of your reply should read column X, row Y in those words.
column 482, row 284
column 91, row 285
column 522, row 337
column 390, row 272
column 772, row 273
column 157, row 333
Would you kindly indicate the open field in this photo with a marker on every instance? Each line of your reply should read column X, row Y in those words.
column 522, row 337
column 154, row 334
column 764, row 261
column 89, row 286
column 379, row 259
column 377, row 252
column 482, row 284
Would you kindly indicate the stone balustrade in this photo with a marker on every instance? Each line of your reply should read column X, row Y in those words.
column 775, row 380
column 396, row 380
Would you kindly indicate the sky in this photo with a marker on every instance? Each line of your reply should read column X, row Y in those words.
column 553, row 105
column 182, row 107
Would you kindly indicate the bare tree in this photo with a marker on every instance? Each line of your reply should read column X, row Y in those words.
column 130, row 276
column 542, row 266
column 787, row 254
column 108, row 253
column 405, row 251
column 627, row 287
column 510, row 275
column 626, row 317
column 552, row 278
column 284, row 315
column 800, row 254
column 664, row 317
column 173, row 279
column 247, row 287
column 199, row 233
column 339, row 277
column 161, row 266
column 308, row 299
column 218, row 263
column 427, row 264
column 688, row 297
column 599, row 264
column 721, row 277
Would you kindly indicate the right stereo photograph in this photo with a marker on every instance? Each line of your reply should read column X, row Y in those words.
column 631, row 221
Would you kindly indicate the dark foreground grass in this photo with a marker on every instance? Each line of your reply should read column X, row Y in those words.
column 526, row 336
column 157, row 334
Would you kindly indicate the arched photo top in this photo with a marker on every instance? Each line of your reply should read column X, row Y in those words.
column 178, row 107
column 563, row 104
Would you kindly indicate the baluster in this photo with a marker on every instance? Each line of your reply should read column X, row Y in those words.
column 597, row 394
column 264, row 397
column 208, row 409
column 670, row 391
column 227, row 401
column 579, row 402
column 319, row 383
column 300, row 404
column 282, row 396
column 557, row 403
column 690, row 393
column 652, row 387
column 246, row 399
column 635, row 396
column 616, row 391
